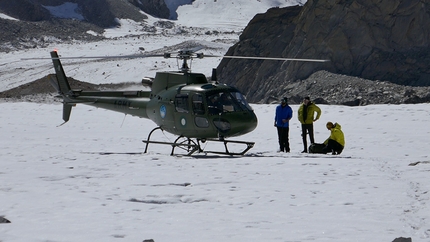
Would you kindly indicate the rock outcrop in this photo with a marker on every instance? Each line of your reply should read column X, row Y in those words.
column 24, row 10
column 37, row 23
column 156, row 8
column 101, row 13
column 385, row 40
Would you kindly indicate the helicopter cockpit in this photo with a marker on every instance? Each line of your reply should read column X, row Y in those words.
column 212, row 103
column 224, row 102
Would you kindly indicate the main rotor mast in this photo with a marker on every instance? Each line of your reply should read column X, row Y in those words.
column 184, row 55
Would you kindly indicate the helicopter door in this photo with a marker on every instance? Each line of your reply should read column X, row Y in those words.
column 181, row 103
column 199, row 109
column 183, row 117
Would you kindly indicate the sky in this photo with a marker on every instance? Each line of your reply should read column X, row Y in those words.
column 89, row 180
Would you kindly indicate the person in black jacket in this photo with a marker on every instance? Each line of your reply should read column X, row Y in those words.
column 283, row 115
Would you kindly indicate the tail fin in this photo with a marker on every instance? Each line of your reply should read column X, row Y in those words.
column 63, row 84
column 60, row 83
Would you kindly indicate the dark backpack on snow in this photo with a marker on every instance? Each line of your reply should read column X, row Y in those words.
column 316, row 148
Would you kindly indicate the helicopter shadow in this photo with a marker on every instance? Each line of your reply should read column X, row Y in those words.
column 197, row 156
column 214, row 156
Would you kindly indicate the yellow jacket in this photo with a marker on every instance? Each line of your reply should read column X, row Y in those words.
column 336, row 135
column 311, row 110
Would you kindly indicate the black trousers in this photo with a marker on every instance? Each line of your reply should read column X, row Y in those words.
column 333, row 146
column 283, row 133
column 307, row 129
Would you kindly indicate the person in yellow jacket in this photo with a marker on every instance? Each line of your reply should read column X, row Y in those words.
column 306, row 115
column 336, row 142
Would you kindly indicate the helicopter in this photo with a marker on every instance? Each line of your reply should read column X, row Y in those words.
column 183, row 103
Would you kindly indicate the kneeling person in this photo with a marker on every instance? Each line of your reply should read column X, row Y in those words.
column 336, row 142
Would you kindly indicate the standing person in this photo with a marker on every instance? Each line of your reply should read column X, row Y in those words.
column 307, row 118
column 283, row 115
column 336, row 142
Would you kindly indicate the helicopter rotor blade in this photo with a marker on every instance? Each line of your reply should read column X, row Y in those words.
column 182, row 54
column 97, row 57
column 267, row 58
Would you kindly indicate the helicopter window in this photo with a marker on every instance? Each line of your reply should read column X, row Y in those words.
column 241, row 101
column 198, row 107
column 222, row 102
column 201, row 122
column 214, row 104
column 181, row 103
column 226, row 102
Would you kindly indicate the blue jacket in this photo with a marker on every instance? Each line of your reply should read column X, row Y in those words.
column 283, row 113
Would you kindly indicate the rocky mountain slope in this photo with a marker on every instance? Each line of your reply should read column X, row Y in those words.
column 384, row 40
column 38, row 24
column 101, row 13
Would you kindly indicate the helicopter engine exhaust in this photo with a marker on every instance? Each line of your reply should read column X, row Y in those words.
column 147, row 81
column 214, row 77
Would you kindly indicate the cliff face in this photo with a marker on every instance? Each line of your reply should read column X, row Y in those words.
column 24, row 9
column 385, row 40
column 157, row 8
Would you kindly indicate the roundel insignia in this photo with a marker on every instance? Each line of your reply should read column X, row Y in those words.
column 163, row 111
column 183, row 121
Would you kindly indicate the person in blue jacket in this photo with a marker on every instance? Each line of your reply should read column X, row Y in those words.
column 282, row 118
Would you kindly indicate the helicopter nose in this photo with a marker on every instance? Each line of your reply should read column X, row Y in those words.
column 236, row 124
column 249, row 124
column 222, row 125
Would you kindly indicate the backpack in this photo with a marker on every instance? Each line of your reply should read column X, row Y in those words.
column 316, row 148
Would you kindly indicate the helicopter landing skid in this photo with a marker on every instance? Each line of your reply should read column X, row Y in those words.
column 249, row 145
column 192, row 146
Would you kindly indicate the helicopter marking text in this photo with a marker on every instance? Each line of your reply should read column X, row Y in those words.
column 122, row 103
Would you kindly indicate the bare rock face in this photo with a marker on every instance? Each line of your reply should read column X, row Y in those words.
column 24, row 10
column 266, row 35
column 384, row 40
column 37, row 22
column 157, row 8
column 102, row 13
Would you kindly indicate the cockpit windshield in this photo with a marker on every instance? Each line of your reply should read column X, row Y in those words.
column 225, row 101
